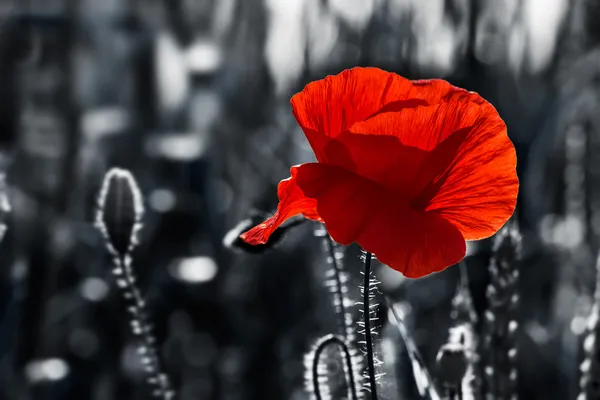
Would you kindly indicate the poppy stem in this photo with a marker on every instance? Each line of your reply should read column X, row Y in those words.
column 367, row 317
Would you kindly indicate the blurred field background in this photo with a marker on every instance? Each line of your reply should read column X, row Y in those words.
column 192, row 96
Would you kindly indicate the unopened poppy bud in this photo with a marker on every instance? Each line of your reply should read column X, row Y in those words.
column 120, row 211
column 233, row 241
column 452, row 364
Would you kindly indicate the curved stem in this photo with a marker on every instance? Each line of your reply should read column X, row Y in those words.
column 323, row 343
column 367, row 317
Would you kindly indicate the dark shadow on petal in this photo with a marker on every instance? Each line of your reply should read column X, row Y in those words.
column 406, row 170
column 438, row 162
column 395, row 106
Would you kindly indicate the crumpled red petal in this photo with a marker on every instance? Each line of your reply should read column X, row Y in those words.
column 327, row 107
column 355, row 209
column 393, row 148
column 452, row 158
column 292, row 202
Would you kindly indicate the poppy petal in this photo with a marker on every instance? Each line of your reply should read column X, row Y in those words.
column 396, row 149
column 292, row 202
column 466, row 171
column 422, row 127
column 327, row 107
column 381, row 159
column 478, row 191
column 355, row 209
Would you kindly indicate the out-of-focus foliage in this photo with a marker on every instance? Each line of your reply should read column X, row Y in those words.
column 192, row 96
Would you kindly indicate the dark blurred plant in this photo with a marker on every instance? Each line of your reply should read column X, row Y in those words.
column 590, row 368
column 119, row 218
column 452, row 365
column 464, row 320
column 316, row 372
column 336, row 283
column 500, row 325
column 4, row 207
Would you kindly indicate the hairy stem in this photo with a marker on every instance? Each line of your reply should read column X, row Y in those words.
column 367, row 317
column 141, row 328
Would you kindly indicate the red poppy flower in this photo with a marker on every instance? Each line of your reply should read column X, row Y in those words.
column 409, row 170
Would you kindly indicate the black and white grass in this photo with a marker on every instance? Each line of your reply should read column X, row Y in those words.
column 119, row 218
column 422, row 376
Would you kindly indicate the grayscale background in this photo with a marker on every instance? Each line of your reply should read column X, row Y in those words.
column 192, row 96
